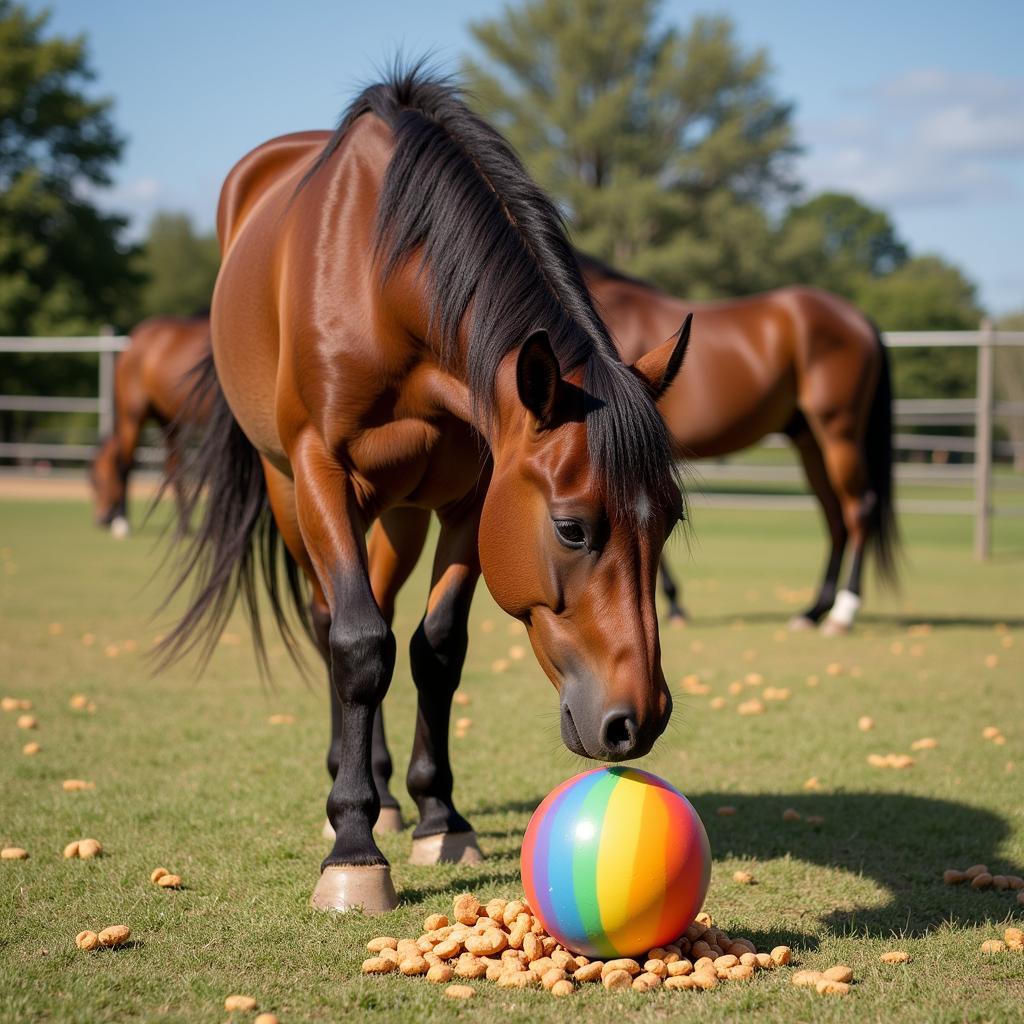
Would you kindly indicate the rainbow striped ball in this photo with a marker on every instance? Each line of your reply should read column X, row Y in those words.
column 615, row 862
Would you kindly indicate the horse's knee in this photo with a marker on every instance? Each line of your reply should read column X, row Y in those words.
column 362, row 659
column 437, row 649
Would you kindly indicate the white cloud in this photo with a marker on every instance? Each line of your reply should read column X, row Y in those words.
column 928, row 137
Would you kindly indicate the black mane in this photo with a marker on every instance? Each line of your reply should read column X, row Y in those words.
column 493, row 240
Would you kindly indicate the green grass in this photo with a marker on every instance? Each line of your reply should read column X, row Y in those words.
column 190, row 775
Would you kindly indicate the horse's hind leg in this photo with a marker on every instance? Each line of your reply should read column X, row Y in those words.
column 848, row 472
column 676, row 613
column 437, row 652
column 817, row 476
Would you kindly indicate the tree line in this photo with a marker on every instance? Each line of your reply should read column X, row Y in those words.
column 666, row 147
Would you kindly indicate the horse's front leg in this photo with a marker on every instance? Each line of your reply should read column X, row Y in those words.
column 437, row 653
column 361, row 650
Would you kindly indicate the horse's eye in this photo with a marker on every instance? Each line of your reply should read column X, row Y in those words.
column 571, row 533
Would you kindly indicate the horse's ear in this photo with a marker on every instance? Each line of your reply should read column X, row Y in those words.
column 660, row 366
column 539, row 378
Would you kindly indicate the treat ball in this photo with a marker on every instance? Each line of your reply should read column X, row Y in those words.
column 615, row 861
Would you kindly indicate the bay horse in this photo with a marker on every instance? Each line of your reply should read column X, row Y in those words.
column 400, row 322
column 795, row 360
column 150, row 384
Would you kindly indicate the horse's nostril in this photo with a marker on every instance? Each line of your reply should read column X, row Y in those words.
column 619, row 733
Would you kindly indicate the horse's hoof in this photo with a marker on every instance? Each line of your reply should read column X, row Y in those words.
column 389, row 820
column 342, row 887
column 801, row 624
column 446, row 848
column 119, row 528
column 677, row 620
column 833, row 627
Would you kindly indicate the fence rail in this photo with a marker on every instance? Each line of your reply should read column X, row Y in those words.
column 979, row 412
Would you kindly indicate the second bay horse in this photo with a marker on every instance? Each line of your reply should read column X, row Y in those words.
column 795, row 360
column 151, row 384
column 400, row 323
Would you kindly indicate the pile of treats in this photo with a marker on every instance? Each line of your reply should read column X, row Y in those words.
column 503, row 942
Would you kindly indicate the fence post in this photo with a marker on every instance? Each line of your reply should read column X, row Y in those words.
column 106, row 386
column 983, row 444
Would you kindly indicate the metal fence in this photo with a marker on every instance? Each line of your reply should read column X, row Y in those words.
column 978, row 412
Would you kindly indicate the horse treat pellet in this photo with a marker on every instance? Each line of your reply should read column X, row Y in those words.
column 115, row 935
column 240, row 1004
column 896, row 956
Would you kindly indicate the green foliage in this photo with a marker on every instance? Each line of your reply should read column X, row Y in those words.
column 926, row 294
column 836, row 242
column 661, row 145
column 62, row 266
column 180, row 267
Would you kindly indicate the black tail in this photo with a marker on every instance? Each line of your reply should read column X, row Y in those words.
column 236, row 543
column 883, row 531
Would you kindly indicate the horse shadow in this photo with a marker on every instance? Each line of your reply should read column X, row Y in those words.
column 900, row 842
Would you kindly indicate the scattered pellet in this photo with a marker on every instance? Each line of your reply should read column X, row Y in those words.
column 115, row 935
column 806, row 979
column 31, row 748
column 791, row 814
column 459, row 992
column 743, row 877
column 830, row 987
column 839, row 973
column 240, row 1004
column 993, row 946
column 726, row 812
column 76, row 785
column 895, row 956
column 87, row 940
column 13, row 853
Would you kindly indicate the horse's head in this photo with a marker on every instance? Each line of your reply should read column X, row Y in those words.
column 108, row 491
column 575, row 564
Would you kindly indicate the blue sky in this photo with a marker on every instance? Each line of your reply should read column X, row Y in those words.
column 917, row 107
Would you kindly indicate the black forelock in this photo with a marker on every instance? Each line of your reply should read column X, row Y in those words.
column 493, row 245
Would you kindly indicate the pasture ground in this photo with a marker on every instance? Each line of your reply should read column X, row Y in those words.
column 190, row 775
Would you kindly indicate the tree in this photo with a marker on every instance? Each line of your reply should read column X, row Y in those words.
column 180, row 266
column 661, row 145
column 926, row 294
column 62, row 265
column 836, row 242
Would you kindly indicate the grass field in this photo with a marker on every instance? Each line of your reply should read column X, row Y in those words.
column 189, row 774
